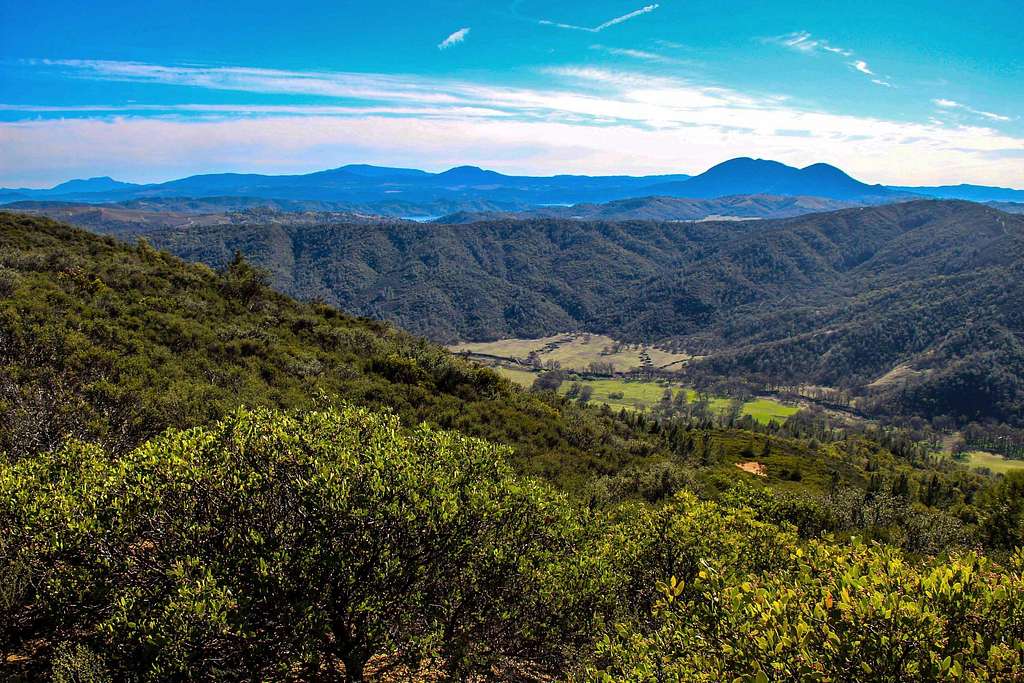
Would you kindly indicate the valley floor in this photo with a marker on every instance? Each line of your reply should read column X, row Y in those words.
column 643, row 395
column 520, row 360
column 577, row 351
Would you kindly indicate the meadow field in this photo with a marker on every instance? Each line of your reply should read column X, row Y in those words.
column 643, row 394
column 994, row 462
column 576, row 352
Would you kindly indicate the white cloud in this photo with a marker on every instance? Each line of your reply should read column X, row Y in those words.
column 953, row 104
column 585, row 120
column 454, row 39
column 247, row 79
column 643, row 55
column 276, row 109
column 862, row 66
column 803, row 41
column 600, row 27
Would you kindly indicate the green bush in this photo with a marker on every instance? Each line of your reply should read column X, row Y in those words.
column 78, row 664
column 745, row 606
column 332, row 543
column 272, row 545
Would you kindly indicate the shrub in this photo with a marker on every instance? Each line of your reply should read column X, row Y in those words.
column 820, row 612
column 272, row 545
column 9, row 281
column 78, row 664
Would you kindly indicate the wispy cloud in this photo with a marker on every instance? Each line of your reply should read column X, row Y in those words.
column 454, row 39
column 243, row 108
column 647, row 124
column 644, row 55
column 670, row 44
column 953, row 104
column 862, row 66
column 804, row 42
column 257, row 80
column 600, row 27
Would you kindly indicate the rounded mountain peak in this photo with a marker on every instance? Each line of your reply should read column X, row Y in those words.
column 468, row 173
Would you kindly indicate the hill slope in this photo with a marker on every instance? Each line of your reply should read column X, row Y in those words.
column 842, row 298
column 112, row 343
column 669, row 209
column 838, row 298
column 330, row 542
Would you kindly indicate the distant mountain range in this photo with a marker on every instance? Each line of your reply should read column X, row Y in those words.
column 401, row 191
column 971, row 193
column 365, row 186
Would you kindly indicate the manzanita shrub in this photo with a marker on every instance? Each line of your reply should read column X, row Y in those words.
column 272, row 546
column 751, row 609
column 338, row 544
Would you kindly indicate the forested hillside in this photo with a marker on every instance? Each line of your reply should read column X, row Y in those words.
column 202, row 479
column 114, row 343
column 842, row 299
column 668, row 209
column 839, row 298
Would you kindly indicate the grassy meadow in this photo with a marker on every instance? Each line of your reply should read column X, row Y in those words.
column 575, row 351
column 642, row 395
column 994, row 462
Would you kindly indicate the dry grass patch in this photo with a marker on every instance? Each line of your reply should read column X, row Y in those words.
column 753, row 467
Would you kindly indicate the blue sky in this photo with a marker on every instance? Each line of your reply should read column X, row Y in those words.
column 909, row 92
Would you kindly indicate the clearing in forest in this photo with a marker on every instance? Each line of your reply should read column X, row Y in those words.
column 994, row 462
column 577, row 352
column 643, row 395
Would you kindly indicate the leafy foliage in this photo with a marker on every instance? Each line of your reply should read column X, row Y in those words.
column 751, row 605
column 270, row 545
column 334, row 543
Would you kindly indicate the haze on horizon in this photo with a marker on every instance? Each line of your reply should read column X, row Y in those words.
column 921, row 94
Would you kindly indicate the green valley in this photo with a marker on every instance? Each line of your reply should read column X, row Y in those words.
column 993, row 462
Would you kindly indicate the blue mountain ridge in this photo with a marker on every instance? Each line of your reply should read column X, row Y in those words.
column 357, row 183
